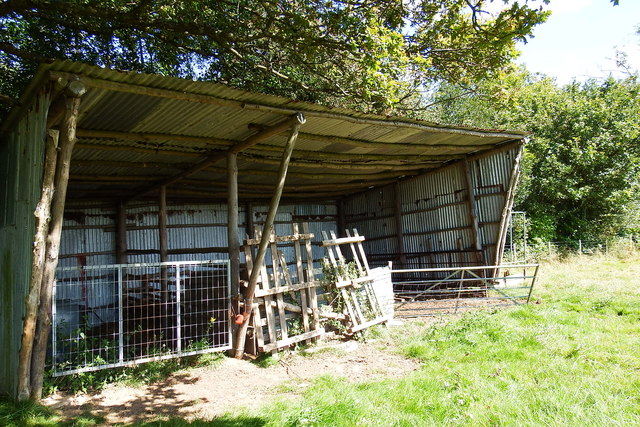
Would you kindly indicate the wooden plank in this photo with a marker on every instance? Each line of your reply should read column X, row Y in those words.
column 368, row 324
column 293, row 340
column 282, row 289
column 356, row 305
column 355, row 255
column 257, row 326
column 284, row 333
column 342, row 240
column 276, row 239
column 312, row 293
column 265, row 285
column 363, row 256
column 341, row 258
column 300, row 272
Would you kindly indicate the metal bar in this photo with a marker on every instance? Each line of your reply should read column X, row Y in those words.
column 428, row 270
column 535, row 274
column 178, row 313
column 120, row 317
column 54, row 333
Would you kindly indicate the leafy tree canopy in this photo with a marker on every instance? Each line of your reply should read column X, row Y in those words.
column 369, row 54
column 582, row 166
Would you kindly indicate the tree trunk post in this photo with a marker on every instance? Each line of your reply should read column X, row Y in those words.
column 232, row 232
column 266, row 234
column 67, row 140
column 43, row 216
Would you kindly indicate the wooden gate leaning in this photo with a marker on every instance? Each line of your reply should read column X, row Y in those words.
column 283, row 298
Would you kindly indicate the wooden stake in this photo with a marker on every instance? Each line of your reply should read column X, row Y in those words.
column 63, row 163
column 266, row 232
column 42, row 214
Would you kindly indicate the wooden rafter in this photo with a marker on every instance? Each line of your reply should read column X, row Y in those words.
column 216, row 157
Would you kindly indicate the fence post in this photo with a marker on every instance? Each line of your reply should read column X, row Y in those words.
column 178, row 311
column 120, row 317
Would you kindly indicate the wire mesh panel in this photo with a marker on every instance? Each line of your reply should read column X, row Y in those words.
column 117, row 315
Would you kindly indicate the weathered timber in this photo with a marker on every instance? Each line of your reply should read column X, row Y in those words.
column 511, row 193
column 473, row 212
column 232, row 222
column 42, row 214
column 268, row 227
column 217, row 156
column 63, row 163
column 397, row 214
column 348, row 165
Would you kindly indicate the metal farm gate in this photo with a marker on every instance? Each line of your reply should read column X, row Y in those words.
column 116, row 315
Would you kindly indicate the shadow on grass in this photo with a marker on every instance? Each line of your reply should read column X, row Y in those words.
column 33, row 414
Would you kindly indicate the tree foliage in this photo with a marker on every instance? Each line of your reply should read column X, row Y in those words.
column 582, row 165
column 371, row 54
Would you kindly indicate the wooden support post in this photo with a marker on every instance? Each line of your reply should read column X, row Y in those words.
column 397, row 211
column 508, row 205
column 42, row 214
column 162, row 223
column 232, row 223
column 473, row 214
column 266, row 233
column 249, row 220
column 341, row 221
column 63, row 163
column 121, row 234
column 162, row 237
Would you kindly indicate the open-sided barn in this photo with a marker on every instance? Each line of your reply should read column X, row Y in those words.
column 166, row 170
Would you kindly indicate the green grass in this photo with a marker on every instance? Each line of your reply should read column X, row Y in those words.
column 572, row 358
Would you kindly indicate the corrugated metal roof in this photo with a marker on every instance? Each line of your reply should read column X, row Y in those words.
column 167, row 124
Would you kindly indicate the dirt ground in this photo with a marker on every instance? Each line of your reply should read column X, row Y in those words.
column 208, row 392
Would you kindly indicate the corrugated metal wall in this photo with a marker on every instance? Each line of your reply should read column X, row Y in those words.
column 88, row 236
column 435, row 214
column 21, row 159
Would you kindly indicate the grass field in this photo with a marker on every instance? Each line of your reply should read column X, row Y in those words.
column 572, row 357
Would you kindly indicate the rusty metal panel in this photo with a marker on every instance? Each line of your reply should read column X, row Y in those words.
column 435, row 212
column 22, row 153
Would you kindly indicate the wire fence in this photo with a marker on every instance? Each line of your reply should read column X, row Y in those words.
column 431, row 291
column 122, row 314
column 531, row 251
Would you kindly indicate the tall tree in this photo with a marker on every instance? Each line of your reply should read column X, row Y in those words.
column 371, row 54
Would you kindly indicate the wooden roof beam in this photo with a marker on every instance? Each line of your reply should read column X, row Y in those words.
column 296, row 119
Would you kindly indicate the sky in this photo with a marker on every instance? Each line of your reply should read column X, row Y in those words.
column 580, row 40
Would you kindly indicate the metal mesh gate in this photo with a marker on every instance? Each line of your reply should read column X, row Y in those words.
column 116, row 315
